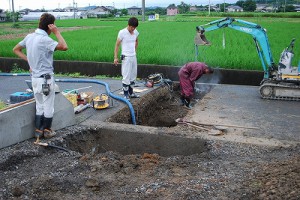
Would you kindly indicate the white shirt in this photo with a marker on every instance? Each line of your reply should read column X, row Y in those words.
column 128, row 41
column 39, row 47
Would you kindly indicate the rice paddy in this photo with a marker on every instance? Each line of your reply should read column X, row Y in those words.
column 168, row 42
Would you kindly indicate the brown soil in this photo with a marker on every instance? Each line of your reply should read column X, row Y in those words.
column 159, row 108
column 225, row 171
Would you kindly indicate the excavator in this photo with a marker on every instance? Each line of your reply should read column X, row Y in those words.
column 280, row 82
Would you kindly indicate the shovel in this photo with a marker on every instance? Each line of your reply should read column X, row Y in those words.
column 217, row 126
column 210, row 131
column 51, row 145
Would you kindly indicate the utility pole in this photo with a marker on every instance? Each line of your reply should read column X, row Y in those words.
column 143, row 10
column 224, row 6
column 209, row 8
column 13, row 11
column 284, row 5
column 9, row 5
column 74, row 8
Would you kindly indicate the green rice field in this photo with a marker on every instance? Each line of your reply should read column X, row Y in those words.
column 166, row 42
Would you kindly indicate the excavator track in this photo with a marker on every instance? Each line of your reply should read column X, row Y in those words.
column 280, row 91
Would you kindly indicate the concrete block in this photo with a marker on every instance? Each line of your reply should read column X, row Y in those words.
column 17, row 124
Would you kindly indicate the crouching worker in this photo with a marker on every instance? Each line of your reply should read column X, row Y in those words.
column 39, row 55
column 188, row 74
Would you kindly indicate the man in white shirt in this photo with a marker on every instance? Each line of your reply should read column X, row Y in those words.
column 128, row 38
column 39, row 55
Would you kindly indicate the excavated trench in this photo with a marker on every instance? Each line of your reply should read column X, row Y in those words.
column 154, row 111
column 159, row 108
column 127, row 141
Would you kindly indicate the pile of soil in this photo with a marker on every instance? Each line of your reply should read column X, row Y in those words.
column 226, row 171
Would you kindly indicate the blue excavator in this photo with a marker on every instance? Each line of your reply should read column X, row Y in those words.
column 279, row 82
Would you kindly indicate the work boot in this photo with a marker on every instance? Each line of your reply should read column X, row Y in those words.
column 38, row 133
column 127, row 97
column 48, row 133
column 132, row 94
column 188, row 106
column 182, row 101
column 187, row 103
column 39, row 119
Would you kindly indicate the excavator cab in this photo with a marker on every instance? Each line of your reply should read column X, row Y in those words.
column 285, row 61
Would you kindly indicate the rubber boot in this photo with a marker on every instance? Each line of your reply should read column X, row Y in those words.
column 39, row 119
column 182, row 100
column 188, row 103
column 131, row 93
column 126, row 91
column 48, row 133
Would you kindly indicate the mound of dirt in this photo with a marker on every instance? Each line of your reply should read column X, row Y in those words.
column 226, row 171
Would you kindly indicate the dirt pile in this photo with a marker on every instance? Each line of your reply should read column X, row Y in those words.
column 225, row 171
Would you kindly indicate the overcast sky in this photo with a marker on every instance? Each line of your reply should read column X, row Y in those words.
column 51, row 4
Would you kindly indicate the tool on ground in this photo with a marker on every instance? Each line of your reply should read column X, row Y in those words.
column 18, row 104
column 51, row 145
column 149, row 83
column 280, row 81
column 101, row 102
column 158, row 79
column 75, row 90
column 81, row 107
column 217, row 126
column 211, row 131
column 155, row 78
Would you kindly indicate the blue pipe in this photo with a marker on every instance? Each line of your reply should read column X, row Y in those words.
column 14, row 74
column 87, row 81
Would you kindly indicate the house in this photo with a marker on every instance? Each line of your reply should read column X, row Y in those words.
column 96, row 12
column 265, row 8
column 172, row 10
column 193, row 8
column 215, row 8
column 234, row 9
column 297, row 7
column 85, row 9
column 260, row 7
column 2, row 17
column 58, row 10
column 58, row 15
column 134, row 10
column 25, row 11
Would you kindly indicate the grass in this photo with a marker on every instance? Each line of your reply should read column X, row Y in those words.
column 171, row 42
column 2, row 105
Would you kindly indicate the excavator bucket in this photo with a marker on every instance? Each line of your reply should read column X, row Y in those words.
column 200, row 39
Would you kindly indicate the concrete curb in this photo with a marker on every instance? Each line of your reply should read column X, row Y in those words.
column 221, row 76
